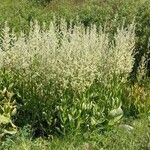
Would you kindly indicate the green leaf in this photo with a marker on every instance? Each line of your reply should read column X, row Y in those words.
column 93, row 121
column 70, row 117
column 115, row 112
column 14, row 111
column 4, row 119
column 13, row 131
column 115, row 120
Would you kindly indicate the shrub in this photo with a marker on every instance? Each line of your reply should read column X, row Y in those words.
column 68, row 79
column 143, row 35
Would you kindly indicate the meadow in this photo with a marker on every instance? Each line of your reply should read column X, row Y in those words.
column 74, row 75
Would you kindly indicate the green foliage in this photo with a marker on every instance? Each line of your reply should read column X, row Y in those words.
column 143, row 21
column 140, row 98
column 60, row 96
column 7, row 110
column 117, row 138
column 57, row 93
column 103, row 12
column 143, row 35
column 98, row 12
column 18, row 14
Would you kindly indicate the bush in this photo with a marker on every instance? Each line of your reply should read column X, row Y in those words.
column 143, row 36
column 68, row 79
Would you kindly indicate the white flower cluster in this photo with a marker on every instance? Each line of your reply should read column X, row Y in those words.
column 72, row 56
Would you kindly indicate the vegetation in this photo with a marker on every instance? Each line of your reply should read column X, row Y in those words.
column 116, row 139
column 72, row 79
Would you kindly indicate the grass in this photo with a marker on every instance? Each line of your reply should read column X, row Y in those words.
column 116, row 139
column 19, row 13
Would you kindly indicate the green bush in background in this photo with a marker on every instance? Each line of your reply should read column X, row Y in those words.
column 143, row 35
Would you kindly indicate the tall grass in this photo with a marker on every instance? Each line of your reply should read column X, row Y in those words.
column 67, row 78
